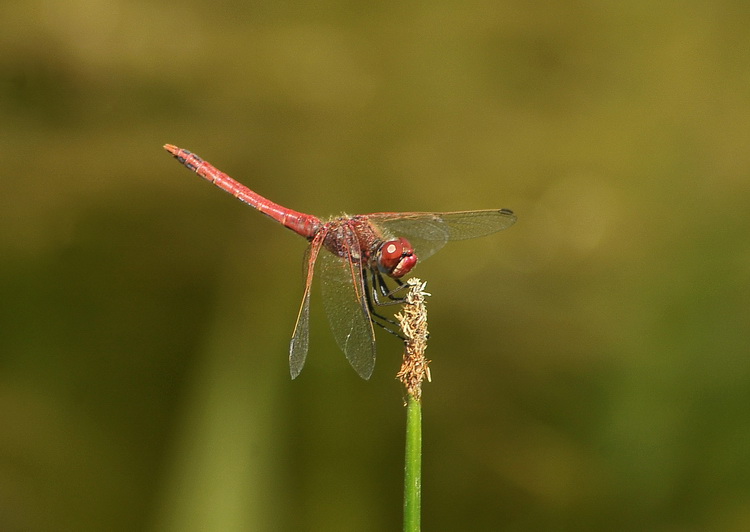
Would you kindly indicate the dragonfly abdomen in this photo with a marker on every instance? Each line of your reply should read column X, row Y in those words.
column 303, row 224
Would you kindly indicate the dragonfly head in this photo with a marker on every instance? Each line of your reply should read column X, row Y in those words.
column 396, row 258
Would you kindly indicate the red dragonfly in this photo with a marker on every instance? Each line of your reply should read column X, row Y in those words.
column 360, row 250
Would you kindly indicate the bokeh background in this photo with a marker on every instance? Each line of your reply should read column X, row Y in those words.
column 591, row 368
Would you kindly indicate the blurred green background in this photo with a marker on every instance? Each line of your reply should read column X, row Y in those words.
column 590, row 365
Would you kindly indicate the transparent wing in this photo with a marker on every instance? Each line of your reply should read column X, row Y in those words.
column 429, row 231
column 301, row 336
column 345, row 302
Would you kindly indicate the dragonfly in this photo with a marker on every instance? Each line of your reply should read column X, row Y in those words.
column 358, row 253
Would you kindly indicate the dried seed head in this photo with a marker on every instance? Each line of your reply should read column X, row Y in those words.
column 413, row 322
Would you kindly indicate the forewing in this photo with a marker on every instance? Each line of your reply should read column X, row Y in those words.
column 301, row 335
column 429, row 231
column 345, row 302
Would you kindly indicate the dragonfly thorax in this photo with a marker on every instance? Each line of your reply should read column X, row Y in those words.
column 396, row 258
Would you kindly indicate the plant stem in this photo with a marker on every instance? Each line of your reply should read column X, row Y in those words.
column 414, row 370
column 413, row 466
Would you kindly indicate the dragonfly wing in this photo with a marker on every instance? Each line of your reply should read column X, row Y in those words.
column 345, row 302
column 429, row 231
column 301, row 335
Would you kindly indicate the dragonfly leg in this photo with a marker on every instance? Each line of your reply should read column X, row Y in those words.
column 384, row 322
column 382, row 287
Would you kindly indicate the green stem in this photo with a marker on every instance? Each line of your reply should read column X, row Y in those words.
column 413, row 466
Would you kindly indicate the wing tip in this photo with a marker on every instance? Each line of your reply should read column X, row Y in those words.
column 365, row 373
column 297, row 358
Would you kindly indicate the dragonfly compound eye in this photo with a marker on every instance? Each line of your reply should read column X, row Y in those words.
column 397, row 257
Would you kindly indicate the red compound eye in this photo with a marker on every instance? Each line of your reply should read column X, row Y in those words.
column 396, row 257
column 390, row 254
